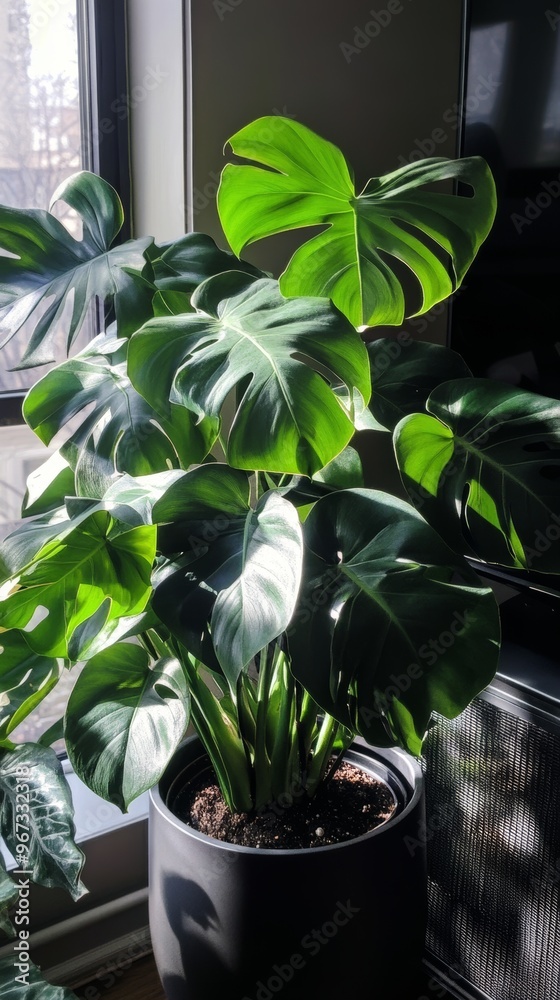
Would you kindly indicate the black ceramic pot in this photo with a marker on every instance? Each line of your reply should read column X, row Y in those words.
column 242, row 923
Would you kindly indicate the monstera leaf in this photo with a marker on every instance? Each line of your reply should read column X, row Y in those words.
column 186, row 263
column 395, row 216
column 48, row 265
column 485, row 468
column 124, row 720
column 387, row 620
column 246, row 336
column 241, row 568
column 62, row 575
column 119, row 430
column 25, row 679
column 404, row 373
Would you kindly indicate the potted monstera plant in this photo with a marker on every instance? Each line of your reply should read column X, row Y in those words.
column 204, row 546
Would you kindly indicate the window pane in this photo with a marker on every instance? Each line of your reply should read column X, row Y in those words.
column 40, row 145
column 40, row 133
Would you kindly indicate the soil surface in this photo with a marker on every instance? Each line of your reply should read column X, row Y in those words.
column 352, row 803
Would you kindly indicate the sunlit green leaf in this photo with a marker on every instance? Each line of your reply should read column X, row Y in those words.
column 49, row 266
column 245, row 335
column 124, row 721
column 485, row 470
column 397, row 217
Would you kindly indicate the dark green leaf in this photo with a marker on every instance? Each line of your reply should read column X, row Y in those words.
column 25, row 679
column 188, row 261
column 244, row 334
column 67, row 579
column 121, row 432
column 258, row 604
column 384, row 631
column 32, row 776
column 124, row 721
column 395, row 216
column 486, row 468
column 51, row 265
column 404, row 373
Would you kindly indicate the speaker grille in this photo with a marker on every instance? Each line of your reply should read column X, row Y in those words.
column 493, row 844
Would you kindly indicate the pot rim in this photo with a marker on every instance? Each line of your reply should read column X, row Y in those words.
column 405, row 769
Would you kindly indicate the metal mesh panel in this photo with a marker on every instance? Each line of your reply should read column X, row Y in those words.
column 493, row 842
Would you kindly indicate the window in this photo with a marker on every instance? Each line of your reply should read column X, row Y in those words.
column 68, row 938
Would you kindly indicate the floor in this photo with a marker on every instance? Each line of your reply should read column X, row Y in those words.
column 141, row 982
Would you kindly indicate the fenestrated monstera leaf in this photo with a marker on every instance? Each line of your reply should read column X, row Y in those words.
column 48, row 485
column 62, row 574
column 311, row 184
column 186, row 263
column 124, row 720
column 485, row 468
column 387, row 620
column 119, row 431
column 25, row 679
column 241, row 567
column 404, row 373
column 49, row 265
column 33, row 775
column 245, row 335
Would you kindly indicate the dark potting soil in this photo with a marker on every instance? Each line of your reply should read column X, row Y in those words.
column 352, row 803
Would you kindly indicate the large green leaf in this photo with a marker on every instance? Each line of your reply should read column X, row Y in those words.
column 239, row 573
column 388, row 618
column 403, row 374
column 259, row 603
column 48, row 266
column 36, row 813
column 190, row 260
column 246, row 336
column 486, row 466
column 119, row 430
column 48, row 485
column 28, row 984
column 124, row 720
column 71, row 572
column 396, row 216
column 25, row 679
